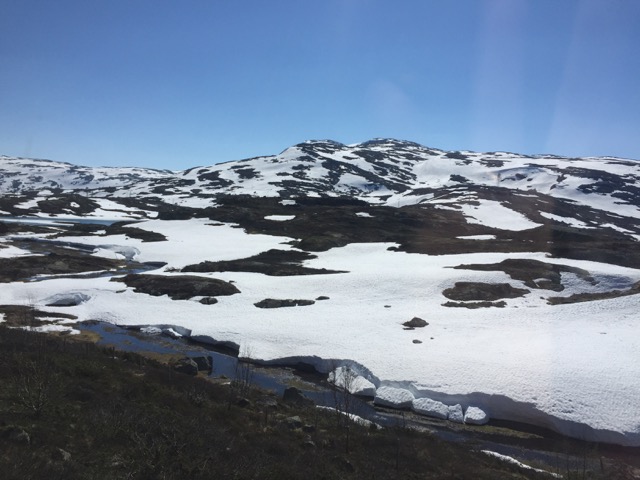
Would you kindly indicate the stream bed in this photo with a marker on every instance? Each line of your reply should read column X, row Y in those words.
column 523, row 446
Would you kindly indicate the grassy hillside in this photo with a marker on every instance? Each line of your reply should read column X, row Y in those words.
column 69, row 409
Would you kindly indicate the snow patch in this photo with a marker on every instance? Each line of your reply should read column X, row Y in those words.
column 279, row 218
column 430, row 408
column 455, row 414
column 475, row 416
column 477, row 237
column 513, row 461
column 393, row 397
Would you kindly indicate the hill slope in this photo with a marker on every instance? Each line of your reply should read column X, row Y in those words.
column 525, row 269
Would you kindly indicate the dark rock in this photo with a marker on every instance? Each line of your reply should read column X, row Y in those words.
column 272, row 262
column 17, row 435
column 60, row 455
column 178, row 287
column 268, row 403
column 293, row 423
column 209, row 300
column 294, row 396
column 322, row 297
column 309, row 428
column 417, row 341
column 243, row 402
column 472, row 305
column 204, row 363
column 276, row 303
column 416, row 322
column 187, row 366
column 308, row 443
column 464, row 291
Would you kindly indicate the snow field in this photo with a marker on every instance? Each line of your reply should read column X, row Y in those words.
column 571, row 367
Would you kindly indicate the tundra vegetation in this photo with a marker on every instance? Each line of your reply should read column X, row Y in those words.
column 70, row 409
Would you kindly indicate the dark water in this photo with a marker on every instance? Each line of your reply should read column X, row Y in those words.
column 57, row 220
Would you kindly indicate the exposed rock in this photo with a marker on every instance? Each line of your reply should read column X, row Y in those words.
column 276, row 303
column 293, row 423
column 308, row 443
column 60, row 455
column 475, row 416
column 415, row 322
column 294, row 396
column 463, row 291
column 472, row 305
column 243, row 402
column 187, row 366
column 16, row 435
column 208, row 300
column 204, row 363
column 322, row 297
column 272, row 262
column 417, row 341
column 178, row 287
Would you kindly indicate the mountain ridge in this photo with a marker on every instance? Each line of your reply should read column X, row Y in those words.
column 380, row 171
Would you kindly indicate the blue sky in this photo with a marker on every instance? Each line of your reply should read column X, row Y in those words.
column 174, row 84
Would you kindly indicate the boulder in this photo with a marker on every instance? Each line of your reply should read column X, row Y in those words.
column 204, row 363
column 430, row 408
column 186, row 366
column 60, row 455
column 294, row 396
column 279, row 303
column 416, row 322
column 208, row 300
column 293, row 423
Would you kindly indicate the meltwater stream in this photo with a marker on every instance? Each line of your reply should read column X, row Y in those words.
column 278, row 379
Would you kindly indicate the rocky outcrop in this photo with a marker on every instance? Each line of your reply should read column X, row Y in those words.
column 178, row 287
column 277, row 303
column 464, row 291
column 415, row 322
column 186, row 366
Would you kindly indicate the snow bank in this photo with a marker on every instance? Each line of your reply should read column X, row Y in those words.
column 513, row 461
column 393, row 397
column 430, row 408
column 349, row 379
column 475, row 416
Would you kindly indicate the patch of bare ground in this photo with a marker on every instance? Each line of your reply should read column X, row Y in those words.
column 534, row 273
column 272, row 262
column 589, row 297
column 22, row 268
column 486, row 292
column 177, row 287
column 27, row 316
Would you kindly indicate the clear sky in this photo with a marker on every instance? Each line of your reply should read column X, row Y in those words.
column 179, row 83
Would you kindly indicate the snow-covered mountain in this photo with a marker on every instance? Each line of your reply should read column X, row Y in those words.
column 381, row 171
column 525, row 269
